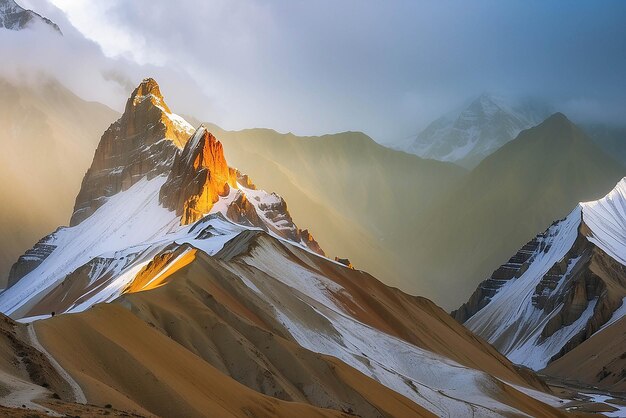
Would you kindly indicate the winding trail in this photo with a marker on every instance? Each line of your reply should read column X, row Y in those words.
column 24, row 394
column 79, row 395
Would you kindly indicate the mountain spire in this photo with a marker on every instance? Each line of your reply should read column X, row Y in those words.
column 141, row 143
column 199, row 176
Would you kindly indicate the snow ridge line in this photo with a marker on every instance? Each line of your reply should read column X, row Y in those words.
column 79, row 395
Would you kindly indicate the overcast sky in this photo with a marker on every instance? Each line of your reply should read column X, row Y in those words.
column 313, row 67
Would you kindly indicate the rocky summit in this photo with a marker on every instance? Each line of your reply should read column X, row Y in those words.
column 141, row 143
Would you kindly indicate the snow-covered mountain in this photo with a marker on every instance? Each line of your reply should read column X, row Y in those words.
column 180, row 273
column 467, row 136
column 15, row 17
column 560, row 289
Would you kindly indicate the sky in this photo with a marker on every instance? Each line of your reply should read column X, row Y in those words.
column 387, row 68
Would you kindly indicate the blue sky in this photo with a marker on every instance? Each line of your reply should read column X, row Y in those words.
column 383, row 67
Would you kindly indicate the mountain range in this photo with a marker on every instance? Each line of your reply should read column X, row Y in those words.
column 501, row 204
column 197, row 271
column 182, row 276
column 419, row 224
column 359, row 197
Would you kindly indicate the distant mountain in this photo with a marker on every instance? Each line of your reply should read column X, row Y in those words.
column 562, row 288
column 193, row 293
column 362, row 200
column 611, row 138
column 468, row 136
column 515, row 192
column 15, row 17
column 42, row 127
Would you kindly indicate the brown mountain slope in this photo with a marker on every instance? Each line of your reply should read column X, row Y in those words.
column 117, row 356
column 44, row 129
column 232, row 329
column 600, row 360
column 30, row 385
column 202, row 323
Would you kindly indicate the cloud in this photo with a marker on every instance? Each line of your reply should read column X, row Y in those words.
column 386, row 68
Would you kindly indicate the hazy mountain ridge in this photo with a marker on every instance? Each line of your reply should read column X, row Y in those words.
column 356, row 195
column 468, row 136
column 499, row 206
column 41, row 127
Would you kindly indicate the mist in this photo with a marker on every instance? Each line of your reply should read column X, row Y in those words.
column 386, row 69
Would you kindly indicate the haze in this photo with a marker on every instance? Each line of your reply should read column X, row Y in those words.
column 311, row 68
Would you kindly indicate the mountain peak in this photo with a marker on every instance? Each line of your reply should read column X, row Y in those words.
column 142, row 142
column 558, row 126
column 15, row 17
column 558, row 117
column 605, row 222
column 199, row 176
column 470, row 134
column 148, row 89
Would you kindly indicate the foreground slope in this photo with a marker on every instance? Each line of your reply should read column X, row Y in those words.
column 598, row 361
column 42, row 126
column 515, row 192
column 561, row 295
column 192, row 282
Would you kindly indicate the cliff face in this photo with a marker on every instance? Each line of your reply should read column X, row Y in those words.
column 143, row 142
column 199, row 176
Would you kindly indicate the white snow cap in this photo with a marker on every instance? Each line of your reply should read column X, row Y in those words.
column 606, row 218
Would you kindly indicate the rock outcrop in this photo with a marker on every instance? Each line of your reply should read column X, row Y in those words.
column 31, row 259
column 142, row 143
column 198, row 178
column 346, row 262
column 512, row 269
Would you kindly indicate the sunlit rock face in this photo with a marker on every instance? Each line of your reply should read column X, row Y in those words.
column 142, row 143
column 199, row 176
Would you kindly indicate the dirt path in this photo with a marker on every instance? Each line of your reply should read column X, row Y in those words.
column 79, row 395
column 23, row 394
